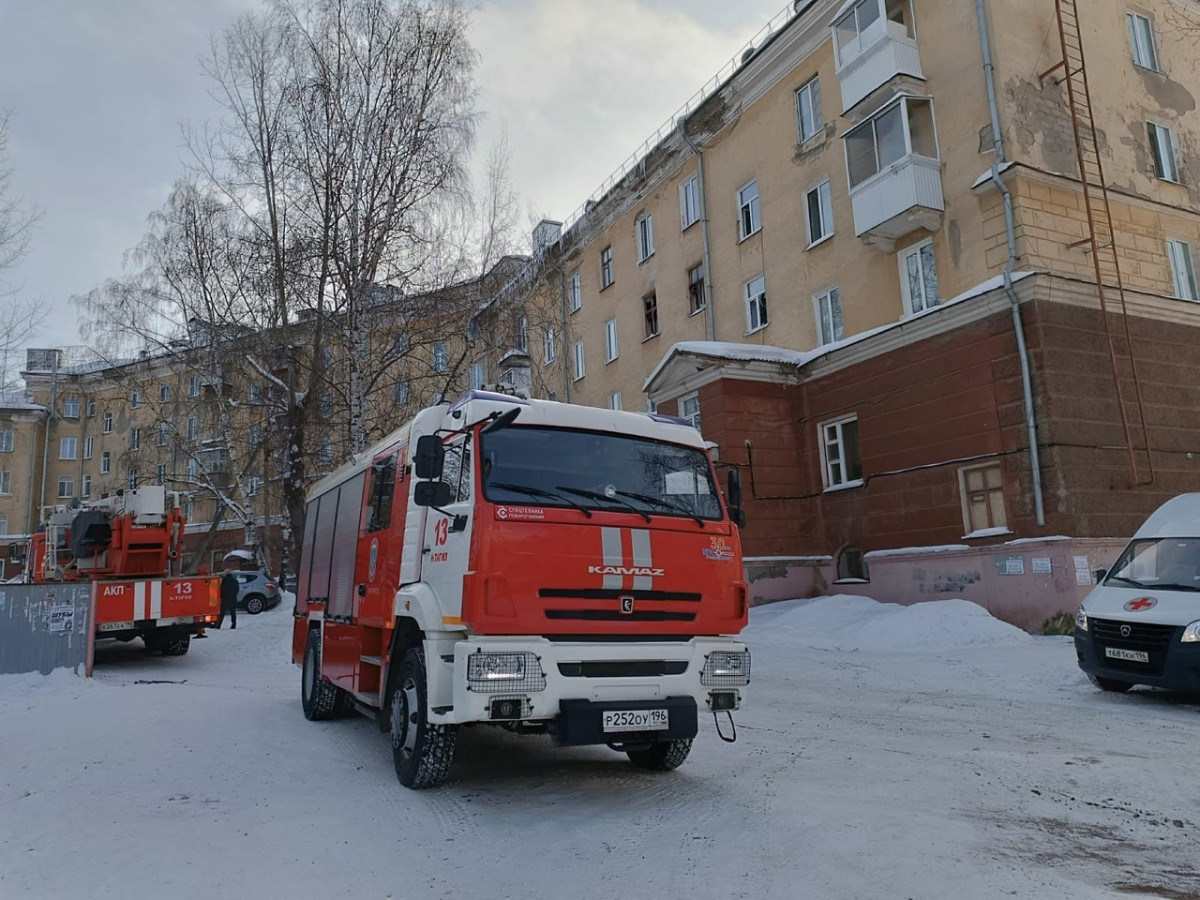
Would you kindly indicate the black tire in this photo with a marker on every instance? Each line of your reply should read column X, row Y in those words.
column 317, row 696
column 422, row 752
column 1110, row 685
column 177, row 646
column 153, row 642
column 255, row 604
column 663, row 756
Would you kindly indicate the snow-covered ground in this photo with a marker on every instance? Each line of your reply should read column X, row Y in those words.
column 886, row 752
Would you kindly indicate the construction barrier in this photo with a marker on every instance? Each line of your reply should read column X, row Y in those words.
column 45, row 627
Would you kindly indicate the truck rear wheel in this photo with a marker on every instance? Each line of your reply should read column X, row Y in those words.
column 317, row 696
column 422, row 751
column 176, row 646
column 663, row 756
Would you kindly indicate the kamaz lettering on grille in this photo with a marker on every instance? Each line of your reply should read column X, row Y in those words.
column 625, row 570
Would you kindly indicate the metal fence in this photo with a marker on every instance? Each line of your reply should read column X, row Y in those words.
column 45, row 627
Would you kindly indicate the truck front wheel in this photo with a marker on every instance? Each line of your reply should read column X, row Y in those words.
column 663, row 756
column 422, row 751
column 318, row 697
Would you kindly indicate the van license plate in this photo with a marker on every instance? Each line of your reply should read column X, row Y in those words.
column 1132, row 655
column 635, row 720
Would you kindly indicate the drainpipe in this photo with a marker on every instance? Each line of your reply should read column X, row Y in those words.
column 50, row 419
column 710, row 320
column 1010, row 232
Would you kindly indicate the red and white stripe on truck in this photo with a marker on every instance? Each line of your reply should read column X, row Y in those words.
column 162, row 601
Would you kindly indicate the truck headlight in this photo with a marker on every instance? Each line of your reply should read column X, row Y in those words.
column 1081, row 621
column 726, row 668
column 1191, row 634
column 495, row 672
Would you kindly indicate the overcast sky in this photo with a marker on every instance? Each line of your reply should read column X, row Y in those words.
column 97, row 91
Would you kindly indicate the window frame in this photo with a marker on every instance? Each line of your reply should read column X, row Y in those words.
column 135, row 439
column 71, row 403
column 905, row 291
column 644, row 236
column 969, row 529
column 90, row 408
column 193, row 428
column 1162, row 138
column 441, row 358
column 614, row 401
column 164, row 392
column 827, row 463
column 85, row 486
column 815, row 111
column 901, row 100
column 1131, row 19
column 194, row 386
column 105, row 462
column 650, row 323
column 578, row 360
column 607, row 277
column 749, row 211
column 69, row 482
column 1175, row 253
column 755, row 305
column 574, row 293
column 62, row 448
column 549, row 345
column 612, row 347
column 160, row 474
column 478, row 376
column 135, row 398
column 829, row 295
column 106, row 423
column 695, row 309
column 693, row 417
column 5, row 483
column 824, row 192
column 89, row 446
column 8, row 440
column 689, row 202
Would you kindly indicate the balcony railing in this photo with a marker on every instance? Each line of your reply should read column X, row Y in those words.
column 904, row 196
column 885, row 55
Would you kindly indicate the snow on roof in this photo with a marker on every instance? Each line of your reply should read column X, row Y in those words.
column 18, row 401
column 987, row 174
column 784, row 357
column 915, row 551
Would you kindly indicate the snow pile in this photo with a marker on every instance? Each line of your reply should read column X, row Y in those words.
column 860, row 623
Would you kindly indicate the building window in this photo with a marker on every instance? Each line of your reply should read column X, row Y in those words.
column 476, row 376
column 614, row 400
column 696, row 299
column 808, row 110
column 550, row 345
column 132, row 481
column 580, row 368
column 606, row 268
column 6, row 441
column 253, row 486
column 85, row 486
column 1183, row 270
column 1162, row 147
column 194, row 386
column 650, row 314
column 325, row 452
column 645, row 237
column 851, row 566
column 1141, row 36
column 473, row 329
column 400, row 344
column 88, row 445
column 193, row 470
column 840, row 455
column 66, row 486
column 521, row 333
column 818, row 204
column 611, row 350
column 918, row 277
column 5, row 482
column 903, row 128
column 749, row 217
column 160, row 474
column 106, row 423
column 982, row 491
column 193, row 428
column 689, row 202
column 135, row 398
column 441, row 358
column 327, row 356
column 651, row 406
column 828, row 307
column 164, row 434
column 91, row 408
column 575, row 293
column 400, row 393
column 135, row 439
column 255, row 435
column 756, row 304
column 325, row 406
column 256, row 389
column 689, row 409
column 164, row 393
column 71, row 408
column 105, row 462
column 67, row 447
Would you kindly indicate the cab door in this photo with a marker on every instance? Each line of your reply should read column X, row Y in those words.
column 377, row 564
column 447, row 539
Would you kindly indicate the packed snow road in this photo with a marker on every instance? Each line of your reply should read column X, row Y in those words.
column 927, row 752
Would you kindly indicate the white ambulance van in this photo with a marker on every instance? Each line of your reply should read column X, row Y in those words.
column 1141, row 623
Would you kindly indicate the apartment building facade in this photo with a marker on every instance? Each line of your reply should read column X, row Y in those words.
column 863, row 264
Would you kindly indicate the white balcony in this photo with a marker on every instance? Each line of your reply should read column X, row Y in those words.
column 903, row 197
column 874, row 42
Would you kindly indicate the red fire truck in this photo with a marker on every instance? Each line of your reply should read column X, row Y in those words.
column 128, row 547
column 546, row 567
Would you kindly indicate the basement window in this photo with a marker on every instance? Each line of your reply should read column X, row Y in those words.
column 852, row 566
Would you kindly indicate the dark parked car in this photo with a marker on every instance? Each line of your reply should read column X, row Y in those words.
column 258, row 591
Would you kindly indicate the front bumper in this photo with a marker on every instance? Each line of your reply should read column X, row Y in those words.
column 582, row 679
column 1174, row 666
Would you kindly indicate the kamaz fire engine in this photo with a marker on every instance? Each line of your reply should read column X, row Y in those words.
column 545, row 567
column 128, row 547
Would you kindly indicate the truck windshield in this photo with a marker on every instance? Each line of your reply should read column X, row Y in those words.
column 1163, row 563
column 594, row 470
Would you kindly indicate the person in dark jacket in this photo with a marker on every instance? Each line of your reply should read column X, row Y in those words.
column 229, row 595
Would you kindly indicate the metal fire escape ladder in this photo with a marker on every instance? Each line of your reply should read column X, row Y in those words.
column 1100, row 241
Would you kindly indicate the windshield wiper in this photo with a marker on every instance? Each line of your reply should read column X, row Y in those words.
column 539, row 492
column 663, row 504
column 1174, row 586
column 1129, row 581
column 596, row 495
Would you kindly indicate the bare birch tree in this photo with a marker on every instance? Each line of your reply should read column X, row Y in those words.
column 19, row 318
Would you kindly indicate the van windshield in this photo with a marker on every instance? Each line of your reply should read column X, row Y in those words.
column 1163, row 563
column 592, row 470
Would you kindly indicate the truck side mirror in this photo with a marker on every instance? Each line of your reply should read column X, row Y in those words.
column 1098, row 575
column 431, row 493
column 733, row 496
column 430, row 457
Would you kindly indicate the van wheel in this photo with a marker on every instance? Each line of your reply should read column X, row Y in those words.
column 255, row 604
column 422, row 752
column 1109, row 684
column 663, row 756
column 317, row 696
